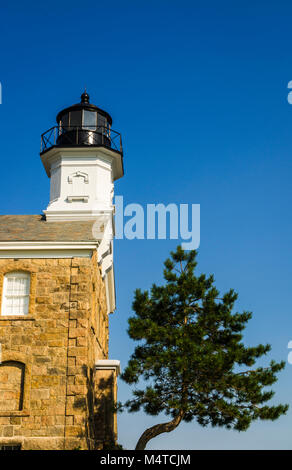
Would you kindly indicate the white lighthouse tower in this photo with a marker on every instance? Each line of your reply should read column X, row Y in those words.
column 83, row 157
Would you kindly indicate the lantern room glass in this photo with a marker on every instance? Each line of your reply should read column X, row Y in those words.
column 83, row 119
column 89, row 119
column 65, row 121
column 84, row 127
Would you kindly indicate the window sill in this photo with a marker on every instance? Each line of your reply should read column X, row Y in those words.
column 12, row 414
column 17, row 317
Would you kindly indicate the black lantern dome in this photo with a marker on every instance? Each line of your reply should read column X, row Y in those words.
column 84, row 124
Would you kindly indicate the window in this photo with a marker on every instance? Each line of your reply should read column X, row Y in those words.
column 65, row 121
column 12, row 375
column 89, row 120
column 75, row 119
column 16, row 294
column 101, row 122
column 10, row 447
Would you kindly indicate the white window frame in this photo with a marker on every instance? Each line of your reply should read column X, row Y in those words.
column 18, row 295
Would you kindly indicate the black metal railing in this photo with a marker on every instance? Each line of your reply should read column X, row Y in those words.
column 75, row 135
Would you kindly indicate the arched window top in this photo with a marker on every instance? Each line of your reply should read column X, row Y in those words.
column 15, row 299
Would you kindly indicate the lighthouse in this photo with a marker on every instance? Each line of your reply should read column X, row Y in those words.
column 82, row 156
column 58, row 386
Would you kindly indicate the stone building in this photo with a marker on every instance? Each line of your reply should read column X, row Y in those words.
column 57, row 384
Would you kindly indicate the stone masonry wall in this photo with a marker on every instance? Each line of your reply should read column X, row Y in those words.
column 55, row 348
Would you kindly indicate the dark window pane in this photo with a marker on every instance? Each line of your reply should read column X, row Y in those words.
column 75, row 118
column 89, row 119
column 101, row 121
column 65, row 120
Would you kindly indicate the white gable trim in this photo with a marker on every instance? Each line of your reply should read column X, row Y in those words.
column 46, row 249
column 42, row 254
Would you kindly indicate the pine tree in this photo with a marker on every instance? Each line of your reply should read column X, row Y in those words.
column 192, row 357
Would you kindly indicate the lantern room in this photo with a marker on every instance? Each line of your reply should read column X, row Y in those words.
column 82, row 124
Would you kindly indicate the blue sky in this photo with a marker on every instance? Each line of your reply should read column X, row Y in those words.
column 199, row 92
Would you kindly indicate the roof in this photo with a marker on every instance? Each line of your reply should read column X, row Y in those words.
column 30, row 228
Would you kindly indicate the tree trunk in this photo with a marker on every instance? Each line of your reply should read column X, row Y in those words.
column 154, row 431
